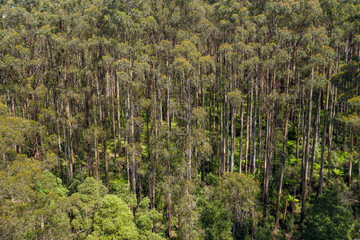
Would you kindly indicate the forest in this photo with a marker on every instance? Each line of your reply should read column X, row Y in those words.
column 179, row 119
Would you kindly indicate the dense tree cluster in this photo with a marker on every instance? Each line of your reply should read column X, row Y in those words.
column 179, row 119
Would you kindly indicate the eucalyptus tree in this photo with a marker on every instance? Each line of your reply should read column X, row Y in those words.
column 163, row 95
column 185, row 67
column 236, row 102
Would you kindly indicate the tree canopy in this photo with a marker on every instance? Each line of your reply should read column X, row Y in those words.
column 179, row 119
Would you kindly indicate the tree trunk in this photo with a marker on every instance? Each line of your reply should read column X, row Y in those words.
column 350, row 162
column 323, row 148
column 118, row 115
column 113, row 125
column 254, row 133
column 282, row 167
column 227, row 133
column 332, row 113
column 188, row 130
column 133, row 148
column 247, row 134
column 298, row 128
column 241, row 136
column 306, row 163
column 106, row 160
column 96, row 145
column 293, row 203
column 267, row 163
column 260, row 130
column 315, row 139
column 233, row 135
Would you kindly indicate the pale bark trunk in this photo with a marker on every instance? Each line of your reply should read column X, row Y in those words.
column 241, row 136
column 233, row 135
column 282, row 168
column 254, row 133
column 306, row 163
column 315, row 140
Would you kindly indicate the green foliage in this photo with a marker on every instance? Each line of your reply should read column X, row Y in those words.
column 329, row 217
column 338, row 172
column 30, row 204
column 239, row 193
column 230, row 206
column 122, row 190
column 148, row 221
column 235, row 98
column 113, row 220
column 211, row 179
column 263, row 233
column 55, row 184
column 290, row 223
column 12, row 132
column 355, row 102
column 84, row 205
column 215, row 219
column 154, row 95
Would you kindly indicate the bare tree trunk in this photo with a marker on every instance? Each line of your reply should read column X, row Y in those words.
column 188, row 130
column 69, row 145
column 254, row 133
column 65, row 147
column 241, row 136
column 306, row 163
column 96, row 145
column 133, row 147
column 315, row 140
column 221, row 144
column 332, row 114
column 260, row 142
column 118, row 115
column 106, row 160
column 59, row 145
column 127, row 135
column 359, row 166
column 285, row 211
column 247, row 134
column 133, row 158
column 267, row 162
column 113, row 109
column 204, row 129
column 233, row 135
column 293, row 204
column 323, row 140
column 298, row 128
column 323, row 148
column 351, row 160
column 282, row 167
column 227, row 133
